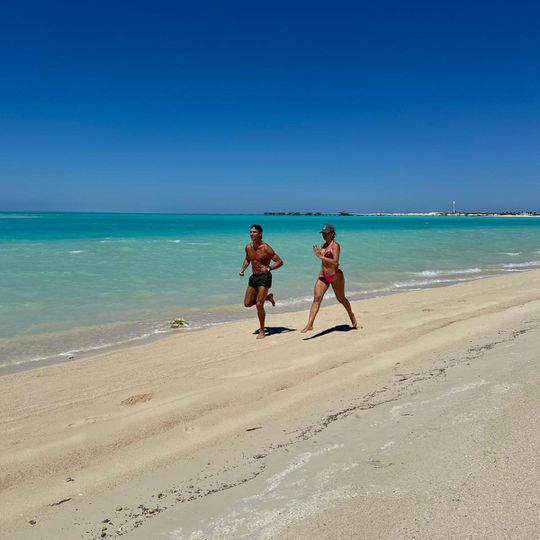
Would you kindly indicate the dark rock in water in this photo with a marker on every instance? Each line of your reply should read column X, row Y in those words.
column 178, row 322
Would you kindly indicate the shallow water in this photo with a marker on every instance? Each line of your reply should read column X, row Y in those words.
column 77, row 282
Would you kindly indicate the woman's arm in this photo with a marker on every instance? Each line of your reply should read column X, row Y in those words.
column 334, row 261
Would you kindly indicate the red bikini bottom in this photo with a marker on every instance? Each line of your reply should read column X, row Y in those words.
column 328, row 278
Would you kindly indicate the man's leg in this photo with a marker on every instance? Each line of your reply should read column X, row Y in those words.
column 250, row 298
column 262, row 293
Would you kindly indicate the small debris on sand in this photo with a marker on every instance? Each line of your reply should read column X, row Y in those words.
column 62, row 501
column 138, row 398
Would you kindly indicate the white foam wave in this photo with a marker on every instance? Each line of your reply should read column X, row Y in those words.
column 425, row 282
column 294, row 301
column 77, row 251
column 28, row 360
column 375, row 291
column 115, row 344
column 529, row 264
column 512, row 253
column 73, row 352
column 434, row 273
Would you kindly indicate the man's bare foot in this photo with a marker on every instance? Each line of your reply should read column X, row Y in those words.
column 261, row 334
column 306, row 329
column 270, row 298
column 354, row 324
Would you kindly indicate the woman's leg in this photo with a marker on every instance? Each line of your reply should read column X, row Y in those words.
column 318, row 294
column 339, row 289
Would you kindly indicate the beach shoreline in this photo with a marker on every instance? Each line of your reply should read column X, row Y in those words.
column 218, row 411
column 159, row 334
column 82, row 284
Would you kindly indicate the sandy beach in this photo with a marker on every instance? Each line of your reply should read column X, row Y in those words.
column 421, row 424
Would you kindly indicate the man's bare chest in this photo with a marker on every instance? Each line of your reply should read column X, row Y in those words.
column 260, row 253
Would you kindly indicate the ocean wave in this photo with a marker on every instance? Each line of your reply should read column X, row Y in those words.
column 113, row 344
column 375, row 291
column 435, row 273
column 26, row 361
column 77, row 251
column 512, row 253
column 425, row 282
column 529, row 264
column 294, row 301
column 83, row 350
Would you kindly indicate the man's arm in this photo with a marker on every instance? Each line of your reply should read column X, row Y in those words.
column 278, row 263
column 245, row 264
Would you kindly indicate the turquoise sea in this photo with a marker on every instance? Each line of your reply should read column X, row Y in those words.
column 73, row 283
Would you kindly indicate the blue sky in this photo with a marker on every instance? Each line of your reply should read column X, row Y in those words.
column 254, row 106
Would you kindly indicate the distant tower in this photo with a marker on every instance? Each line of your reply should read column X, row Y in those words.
column 453, row 207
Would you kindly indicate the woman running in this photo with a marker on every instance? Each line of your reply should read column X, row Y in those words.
column 330, row 274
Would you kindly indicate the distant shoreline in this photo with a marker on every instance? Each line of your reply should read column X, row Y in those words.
column 425, row 214
column 28, row 213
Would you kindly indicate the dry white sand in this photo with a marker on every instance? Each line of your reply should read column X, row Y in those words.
column 422, row 424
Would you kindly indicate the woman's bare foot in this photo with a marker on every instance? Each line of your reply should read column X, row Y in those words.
column 270, row 298
column 354, row 324
column 306, row 329
column 261, row 334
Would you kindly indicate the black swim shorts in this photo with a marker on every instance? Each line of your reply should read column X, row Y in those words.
column 260, row 280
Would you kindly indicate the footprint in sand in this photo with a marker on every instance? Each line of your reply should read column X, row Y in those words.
column 138, row 398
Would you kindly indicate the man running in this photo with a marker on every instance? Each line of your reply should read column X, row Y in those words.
column 259, row 254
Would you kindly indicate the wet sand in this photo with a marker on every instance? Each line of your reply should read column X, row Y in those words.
column 421, row 424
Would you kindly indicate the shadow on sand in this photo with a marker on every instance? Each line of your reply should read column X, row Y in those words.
column 338, row 328
column 272, row 330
